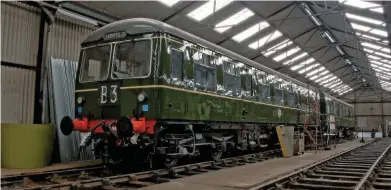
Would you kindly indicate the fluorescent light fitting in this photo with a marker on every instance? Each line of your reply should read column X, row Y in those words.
column 207, row 9
column 78, row 17
column 354, row 68
column 234, row 20
column 340, row 50
column 250, row 31
column 329, row 37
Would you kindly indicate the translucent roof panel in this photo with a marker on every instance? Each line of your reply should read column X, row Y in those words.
column 266, row 39
column 277, row 47
column 364, row 19
column 309, row 68
column 207, row 9
column 363, row 5
column 378, row 32
column 290, row 61
column 286, row 54
column 234, row 20
column 300, row 65
column 250, row 31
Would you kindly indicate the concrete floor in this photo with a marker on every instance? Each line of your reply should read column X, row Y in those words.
column 243, row 177
column 58, row 166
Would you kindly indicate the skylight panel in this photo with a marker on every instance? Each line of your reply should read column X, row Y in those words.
column 234, row 20
column 387, row 50
column 300, row 65
column 169, row 3
column 308, row 68
column 370, row 30
column 315, row 72
column 363, row 5
column 324, row 78
column 368, row 50
column 364, row 19
column 268, row 38
column 314, row 77
column 328, row 80
column 374, row 57
column 279, row 46
column 250, row 31
column 373, row 46
column 295, row 58
column 207, row 9
column 332, row 84
column 286, row 54
column 367, row 36
column 382, row 54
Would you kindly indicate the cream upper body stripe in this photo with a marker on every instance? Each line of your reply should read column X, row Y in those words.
column 190, row 91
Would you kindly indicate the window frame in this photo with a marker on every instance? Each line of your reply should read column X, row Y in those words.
column 182, row 62
column 83, row 58
column 114, row 54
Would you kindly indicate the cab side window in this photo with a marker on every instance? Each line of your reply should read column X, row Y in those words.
column 176, row 64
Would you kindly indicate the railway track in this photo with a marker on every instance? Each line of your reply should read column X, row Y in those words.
column 89, row 178
column 365, row 167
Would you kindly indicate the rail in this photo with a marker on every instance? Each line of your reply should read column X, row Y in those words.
column 350, row 170
column 80, row 179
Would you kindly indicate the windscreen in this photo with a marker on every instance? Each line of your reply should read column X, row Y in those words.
column 132, row 59
column 95, row 63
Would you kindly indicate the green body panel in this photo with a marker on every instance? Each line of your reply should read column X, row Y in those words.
column 178, row 104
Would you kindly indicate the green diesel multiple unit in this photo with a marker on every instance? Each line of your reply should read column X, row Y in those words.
column 148, row 90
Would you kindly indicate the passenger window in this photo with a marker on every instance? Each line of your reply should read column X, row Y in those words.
column 176, row 64
column 232, row 80
column 204, row 72
column 245, row 74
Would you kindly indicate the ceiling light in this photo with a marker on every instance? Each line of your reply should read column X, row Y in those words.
column 329, row 37
column 340, row 50
column 306, row 62
column 234, row 20
column 169, row 3
column 207, row 9
column 250, row 31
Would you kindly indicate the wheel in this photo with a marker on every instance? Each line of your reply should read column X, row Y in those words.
column 170, row 161
column 215, row 155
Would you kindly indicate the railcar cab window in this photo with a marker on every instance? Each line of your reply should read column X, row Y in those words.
column 132, row 59
column 204, row 71
column 232, row 82
column 95, row 63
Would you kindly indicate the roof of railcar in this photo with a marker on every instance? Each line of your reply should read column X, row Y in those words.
column 135, row 26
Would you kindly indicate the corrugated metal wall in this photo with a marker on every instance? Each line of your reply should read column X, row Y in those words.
column 19, row 35
column 66, row 34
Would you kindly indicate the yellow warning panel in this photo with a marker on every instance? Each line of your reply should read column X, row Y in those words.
column 285, row 137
